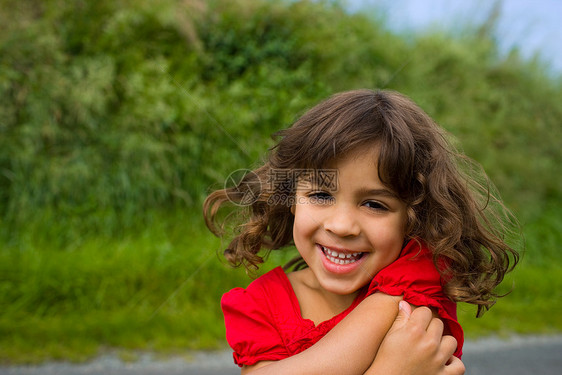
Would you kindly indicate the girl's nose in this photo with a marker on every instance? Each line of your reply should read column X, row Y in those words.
column 342, row 221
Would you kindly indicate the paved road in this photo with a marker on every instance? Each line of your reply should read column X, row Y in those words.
column 537, row 355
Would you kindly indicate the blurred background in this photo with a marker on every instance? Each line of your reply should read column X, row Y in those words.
column 118, row 117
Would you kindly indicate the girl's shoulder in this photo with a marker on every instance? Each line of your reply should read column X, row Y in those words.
column 271, row 291
column 274, row 279
column 257, row 318
column 415, row 277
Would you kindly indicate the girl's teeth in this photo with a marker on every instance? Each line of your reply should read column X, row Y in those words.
column 340, row 258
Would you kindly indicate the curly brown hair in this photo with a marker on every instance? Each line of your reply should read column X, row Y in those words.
column 450, row 201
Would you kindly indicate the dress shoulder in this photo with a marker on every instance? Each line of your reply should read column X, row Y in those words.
column 250, row 319
column 414, row 276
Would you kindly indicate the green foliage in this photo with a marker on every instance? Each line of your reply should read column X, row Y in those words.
column 118, row 117
column 127, row 106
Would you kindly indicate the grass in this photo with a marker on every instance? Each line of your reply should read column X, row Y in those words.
column 531, row 307
column 158, row 289
column 153, row 289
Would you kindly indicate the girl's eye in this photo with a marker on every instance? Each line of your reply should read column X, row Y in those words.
column 374, row 205
column 319, row 194
column 320, row 197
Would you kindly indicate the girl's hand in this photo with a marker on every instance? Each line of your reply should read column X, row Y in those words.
column 415, row 345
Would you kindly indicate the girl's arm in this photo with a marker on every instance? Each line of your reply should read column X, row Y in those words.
column 413, row 346
column 349, row 348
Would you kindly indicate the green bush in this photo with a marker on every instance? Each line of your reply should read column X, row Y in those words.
column 127, row 106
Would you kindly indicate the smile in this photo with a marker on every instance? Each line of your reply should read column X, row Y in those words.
column 338, row 257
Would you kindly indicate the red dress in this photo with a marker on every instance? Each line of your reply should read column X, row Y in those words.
column 263, row 322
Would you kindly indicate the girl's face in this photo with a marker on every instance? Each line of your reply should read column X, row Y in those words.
column 349, row 234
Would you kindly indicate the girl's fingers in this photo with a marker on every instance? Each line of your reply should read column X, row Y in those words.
column 424, row 325
column 454, row 367
column 435, row 328
column 421, row 317
column 448, row 345
column 447, row 348
column 405, row 309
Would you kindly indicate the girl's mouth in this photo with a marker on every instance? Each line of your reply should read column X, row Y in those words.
column 339, row 257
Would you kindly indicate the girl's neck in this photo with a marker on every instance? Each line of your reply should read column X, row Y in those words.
column 316, row 303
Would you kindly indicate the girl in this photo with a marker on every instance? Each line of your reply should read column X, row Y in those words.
column 373, row 197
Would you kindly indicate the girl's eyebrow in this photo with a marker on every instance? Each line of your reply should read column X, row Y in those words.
column 378, row 192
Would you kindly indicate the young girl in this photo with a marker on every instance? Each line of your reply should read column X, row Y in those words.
column 373, row 197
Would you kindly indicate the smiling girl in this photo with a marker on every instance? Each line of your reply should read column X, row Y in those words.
column 370, row 193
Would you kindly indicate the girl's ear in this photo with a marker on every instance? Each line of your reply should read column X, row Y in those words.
column 293, row 209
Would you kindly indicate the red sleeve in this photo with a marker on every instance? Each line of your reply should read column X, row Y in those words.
column 250, row 328
column 415, row 276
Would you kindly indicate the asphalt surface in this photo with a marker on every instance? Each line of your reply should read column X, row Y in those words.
column 537, row 355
